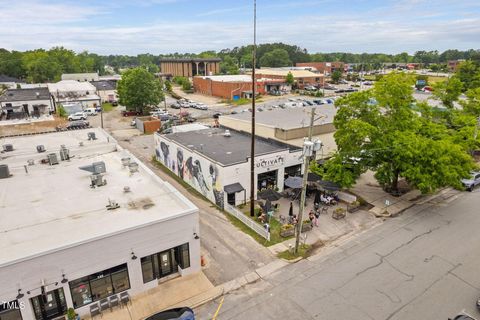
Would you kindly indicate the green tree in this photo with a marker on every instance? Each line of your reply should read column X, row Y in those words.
column 228, row 66
column 139, row 90
column 391, row 139
column 275, row 58
column 168, row 85
column 448, row 91
column 41, row 67
column 186, row 85
column 336, row 76
column 290, row 79
column 469, row 74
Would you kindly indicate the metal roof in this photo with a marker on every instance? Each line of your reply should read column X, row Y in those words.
column 25, row 95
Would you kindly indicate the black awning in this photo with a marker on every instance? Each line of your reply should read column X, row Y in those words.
column 233, row 188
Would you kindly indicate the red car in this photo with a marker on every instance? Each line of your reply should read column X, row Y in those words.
column 127, row 113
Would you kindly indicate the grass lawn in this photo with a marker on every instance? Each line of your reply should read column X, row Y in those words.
column 275, row 228
column 107, row 106
column 303, row 251
column 238, row 102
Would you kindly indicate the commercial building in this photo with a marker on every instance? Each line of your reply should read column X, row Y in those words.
column 302, row 77
column 107, row 90
column 82, row 77
column 84, row 221
column 452, row 65
column 216, row 162
column 323, row 67
column 237, row 86
column 71, row 92
column 289, row 125
column 189, row 67
column 9, row 82
column 25, row 103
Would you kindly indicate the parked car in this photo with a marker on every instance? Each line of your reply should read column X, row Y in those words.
column 77, row 116
column 471, row 182
column 98, row 108
column 343, row 81
column 114, row 103
column 130, row 113
column 175, row 106
column 90, row 112
column 78, row 124
column 310, row 88
column 462, row 317
column 202, row 107
column 184, row 313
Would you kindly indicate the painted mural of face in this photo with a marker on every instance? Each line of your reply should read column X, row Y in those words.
column 198, row 175
column 180, row 165
column 166, row 153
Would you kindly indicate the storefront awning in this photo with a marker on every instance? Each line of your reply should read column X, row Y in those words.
column 233, row 188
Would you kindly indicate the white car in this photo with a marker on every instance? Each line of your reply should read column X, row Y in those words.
column 77, row 116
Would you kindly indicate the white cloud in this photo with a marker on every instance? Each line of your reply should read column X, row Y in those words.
column 32, row 25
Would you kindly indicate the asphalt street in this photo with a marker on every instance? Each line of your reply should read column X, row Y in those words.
column 423, row 264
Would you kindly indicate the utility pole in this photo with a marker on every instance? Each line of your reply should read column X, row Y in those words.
column 307, row 153
column 252, row 151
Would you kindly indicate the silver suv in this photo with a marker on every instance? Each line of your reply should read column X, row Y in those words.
column 471, row 182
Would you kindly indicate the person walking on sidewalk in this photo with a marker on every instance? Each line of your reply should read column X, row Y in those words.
column 316, row 215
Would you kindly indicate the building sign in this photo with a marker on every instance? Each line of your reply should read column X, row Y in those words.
column 269, row 162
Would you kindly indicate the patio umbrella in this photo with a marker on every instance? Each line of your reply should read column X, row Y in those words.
column 328, row 185
column 294, row 182
column 313, row 177
column 269, row 194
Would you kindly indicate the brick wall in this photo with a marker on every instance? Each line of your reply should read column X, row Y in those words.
column 224, row 90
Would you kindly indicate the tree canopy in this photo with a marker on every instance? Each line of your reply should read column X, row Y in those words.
column 378, row 130
column 139, row 90
column 276, row 58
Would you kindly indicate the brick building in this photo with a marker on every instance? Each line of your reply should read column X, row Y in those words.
column 302, row 77
column 236, row 86
column 189, row 67
column 452, row 65
column 323, row 67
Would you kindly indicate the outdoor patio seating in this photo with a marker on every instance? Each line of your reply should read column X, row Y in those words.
column 114, row 301
column 124, row 298
column 94, row 310
column 104, row 305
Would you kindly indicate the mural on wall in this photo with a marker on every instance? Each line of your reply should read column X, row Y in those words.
column 197, row 172
column 216, row 188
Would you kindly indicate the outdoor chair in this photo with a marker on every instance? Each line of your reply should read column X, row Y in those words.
column 104, row 305
column 94, row 310
column 124, row 298
column 113, row 301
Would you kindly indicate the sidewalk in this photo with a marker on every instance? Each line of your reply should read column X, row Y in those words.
column 191, row 290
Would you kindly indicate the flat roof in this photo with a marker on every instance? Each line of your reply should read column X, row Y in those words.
column 25, row 95
column 52, row 208
column 284, row 73
column 229, row 78
column 289, row 118
column 190, row 60
column 70, row 85
column 213, row 144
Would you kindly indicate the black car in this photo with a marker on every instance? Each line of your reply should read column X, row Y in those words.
column 79, row 124
column 184, row 313
column 462, row 317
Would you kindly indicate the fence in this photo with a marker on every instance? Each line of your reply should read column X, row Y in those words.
column 247, row 221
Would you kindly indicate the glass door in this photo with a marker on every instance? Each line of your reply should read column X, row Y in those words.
column 50, row 305
column 165, row 263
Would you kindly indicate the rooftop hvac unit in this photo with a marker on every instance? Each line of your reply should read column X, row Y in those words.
column 40, row 148
column 96, row 167
column 64, row 153
column 7, row 147
column 125, row 162
column 30, row 162
column 91, row 136
column 52, row 159
column 133, row 167
column 97, row 180
column 4, row 172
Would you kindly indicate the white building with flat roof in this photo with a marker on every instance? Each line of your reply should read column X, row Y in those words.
column 85, row 222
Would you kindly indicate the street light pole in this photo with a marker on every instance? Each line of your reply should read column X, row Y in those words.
column 307, row 152
column 252, row 151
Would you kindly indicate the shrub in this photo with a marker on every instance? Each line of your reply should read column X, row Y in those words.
column 61, row 111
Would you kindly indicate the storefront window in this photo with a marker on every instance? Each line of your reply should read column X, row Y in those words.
column 99, row 285
column 10, row 310
column 184, row 260
column 267, row 180
column 81, row 293
column 164, row 263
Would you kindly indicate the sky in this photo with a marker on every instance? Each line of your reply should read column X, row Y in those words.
column 167, row 26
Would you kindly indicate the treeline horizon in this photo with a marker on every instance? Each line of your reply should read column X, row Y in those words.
column 42, row 65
